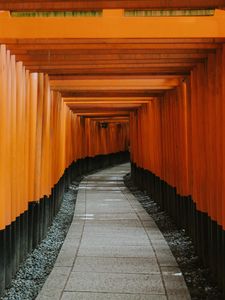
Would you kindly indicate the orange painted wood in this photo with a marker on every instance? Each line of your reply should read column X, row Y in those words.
column 180, row 137
column 69, row 5
column 113, row 25
column 40, row 136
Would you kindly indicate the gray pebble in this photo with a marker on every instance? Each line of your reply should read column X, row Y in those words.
column 32, row 274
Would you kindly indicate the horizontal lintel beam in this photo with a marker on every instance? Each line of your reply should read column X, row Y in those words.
column 114, row 26
column 68, row 5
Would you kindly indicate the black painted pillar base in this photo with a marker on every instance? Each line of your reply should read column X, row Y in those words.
column 207, row 235
column 2, row 259
column 27, row 231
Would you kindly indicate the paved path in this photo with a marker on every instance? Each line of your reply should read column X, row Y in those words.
column 113, row 249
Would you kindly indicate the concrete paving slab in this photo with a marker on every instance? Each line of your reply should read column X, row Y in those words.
column 65, row 259
column 117, row 223
column 118, row 265
column 55, row 283
column 115, row 283
column 174, row 283
column 114, row 249
column 149, row 224
column 117, row 241
column 87, row 236
column 108, row 296
column 143, row 215
column 113, row 230
column 115, row 216
column 154, row 234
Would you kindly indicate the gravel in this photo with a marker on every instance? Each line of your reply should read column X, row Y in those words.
column 197, row 277
column 32, row 273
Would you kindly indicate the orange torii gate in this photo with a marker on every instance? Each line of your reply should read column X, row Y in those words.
column 158, row 84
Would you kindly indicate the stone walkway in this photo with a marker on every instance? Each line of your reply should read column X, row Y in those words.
column 113, row 250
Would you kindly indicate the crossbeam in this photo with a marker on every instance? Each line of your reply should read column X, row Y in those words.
column 71, row 5
column 113, row 25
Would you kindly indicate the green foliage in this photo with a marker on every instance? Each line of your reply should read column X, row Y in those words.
column 169, row 13
column 58, row 14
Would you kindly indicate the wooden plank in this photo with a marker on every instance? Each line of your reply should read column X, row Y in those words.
column 114, row 83
column 151, row 70
column 89, row 58
column 111, row 76
column 107, row 46
column 112, row 93
column 117, row 63
column 103, row 114
column 78, row 52
column 104, row 110
column 113, row 25
column 72, row 41
column 107, row 99
column 69, row 5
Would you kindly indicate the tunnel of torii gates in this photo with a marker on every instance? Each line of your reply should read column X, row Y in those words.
column 77, row 92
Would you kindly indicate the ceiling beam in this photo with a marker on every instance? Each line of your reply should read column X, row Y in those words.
column 114, row 84
column 103, row 114
column 113, row 93
column 78, row 48
column 107, row 99
column 110, row 76
column 114, row 25
column 95, row 63
column 104, row 110
column 71, row 5
column 74, row 41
